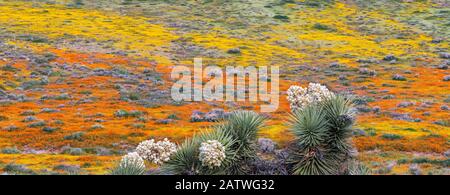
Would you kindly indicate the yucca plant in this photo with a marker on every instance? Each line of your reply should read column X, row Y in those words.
column 243, row 127
column 313, row 161
column 131, row 164
column 357, row 168
column 186, row 160
column 310, row 126
column 128, row 168
column 237, row 134
column 310, row 153
column 322, row 133
column 340, row 116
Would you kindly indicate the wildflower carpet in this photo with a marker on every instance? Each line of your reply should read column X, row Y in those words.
column 85, row 85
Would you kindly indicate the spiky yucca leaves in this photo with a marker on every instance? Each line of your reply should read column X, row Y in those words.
column 243, row 127
column 340, row 116
column 322, row 131
column 186, row 160
column 313, row 161
column 128, row 168
column 357, row 168
column 310, row 127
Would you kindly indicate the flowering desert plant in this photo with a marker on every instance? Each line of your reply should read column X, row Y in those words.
column 300, row 97
column 323, row 131
column 131, row 164
column 156, row 152
column 237, row 135
column 212, row 153
column 191, row 157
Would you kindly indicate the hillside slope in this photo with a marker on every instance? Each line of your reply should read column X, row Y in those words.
column 69, row 70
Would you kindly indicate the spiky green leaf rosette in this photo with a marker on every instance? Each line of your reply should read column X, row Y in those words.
column 340, row 116
column 243, row 126
column 322, row 133
column 131, row 164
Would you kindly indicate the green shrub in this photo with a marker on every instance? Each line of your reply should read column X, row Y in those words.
column 391, row 136
column 73, row 151
column 28, row 113
column 50, row 129
column 69, row 169
column 445, row 123
column 75, row 136
column 173, row 116
column 319, row 26
column 126, row 114
column 402, row 161
column 37, row 124
column 32, row 84
column 138, row 125
column 8, row 68
column 316, row 3
column 371, row 132
column 281, row 17
column 12, row 150
column 130, row 96
column 86, row 92
column 97, row 126
column 444, row 163
column 17, row 169
column 121, row 113
column 63, row 96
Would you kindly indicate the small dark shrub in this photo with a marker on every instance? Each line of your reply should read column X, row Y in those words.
column 17, row 169
column 37, row 124
column 392, row 136
column 12, row 150
column 50, row 129
column 75, row 136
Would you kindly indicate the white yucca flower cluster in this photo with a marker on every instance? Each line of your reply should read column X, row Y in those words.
column 300, row 97
column 132, row 159
column 156, row 152
column 212, row 153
